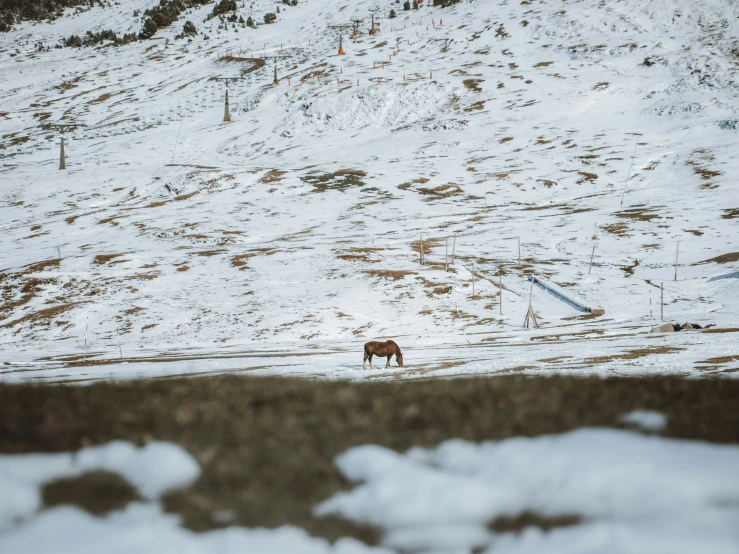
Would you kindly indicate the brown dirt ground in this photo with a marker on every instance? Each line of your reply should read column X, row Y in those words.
column 266, row 445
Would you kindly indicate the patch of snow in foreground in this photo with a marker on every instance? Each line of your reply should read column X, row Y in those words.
column 141, row 527
column 154, row 469
column 633, row 493
column 645, row 419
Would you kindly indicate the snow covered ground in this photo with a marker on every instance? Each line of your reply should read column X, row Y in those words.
column 589, row 490
column 282, row 241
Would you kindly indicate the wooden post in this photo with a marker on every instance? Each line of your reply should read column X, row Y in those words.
column 59, row 253
column 661, row 301
column 500, row 293
column 84, row 354
column 591, row 259
column 677, row 251
column 519, row 250
column 446, row 255
column 530, row 315
column 454, row 245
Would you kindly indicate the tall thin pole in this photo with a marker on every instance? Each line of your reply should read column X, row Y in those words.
column 119, row 341
column 87, row 320
column 677, row 251
column 591, row 259
column 661, row 301
column 226, row 112
column 62, row 161
column 629, row 174
column 59, row 253
column 519, row 250
column 531, row 292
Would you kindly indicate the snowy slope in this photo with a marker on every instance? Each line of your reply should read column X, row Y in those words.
column 282, row 241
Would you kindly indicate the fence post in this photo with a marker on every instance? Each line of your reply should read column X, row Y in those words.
column 661, row 301
column 591, row 259
column 519, row 250
column 677, row 251
column 119, row 340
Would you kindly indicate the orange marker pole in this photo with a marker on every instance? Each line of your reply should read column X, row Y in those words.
column 431, row 75
column 357, row 82
column 337, row 80
column 440, row 21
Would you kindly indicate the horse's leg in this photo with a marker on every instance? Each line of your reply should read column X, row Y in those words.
column 364, row 362
column 370, row 360
column 388, row 360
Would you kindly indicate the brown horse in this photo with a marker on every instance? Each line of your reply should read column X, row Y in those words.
column 382, row 349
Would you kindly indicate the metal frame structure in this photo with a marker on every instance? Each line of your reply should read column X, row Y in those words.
column 275, row 57
column 63, row 127
column 341, row 35
column 226, row 81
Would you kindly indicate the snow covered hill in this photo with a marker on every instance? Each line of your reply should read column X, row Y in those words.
column 280, row 242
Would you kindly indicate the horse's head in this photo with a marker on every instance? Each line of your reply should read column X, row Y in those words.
column 399, row 358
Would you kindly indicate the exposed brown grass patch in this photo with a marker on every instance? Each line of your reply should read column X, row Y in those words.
column 101, row 259
column 357, row 254
column 618, row 229
column 101, row 98
column 632, row 355
column 143, row 276
column 723, row 259
column 338, row 180
column 97, row 492
column 41, row 317
column 182, row 197
column 473, row 84
column 442, row 191
column 273, row 176
column 394, row 274
column 640, row 214
column 528, row 520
